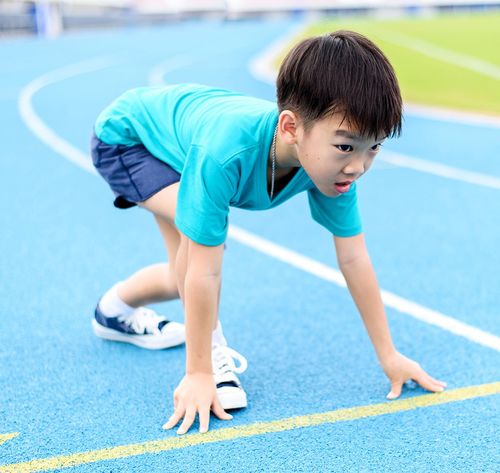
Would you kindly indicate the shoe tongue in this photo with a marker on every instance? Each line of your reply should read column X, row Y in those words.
column 162, row 324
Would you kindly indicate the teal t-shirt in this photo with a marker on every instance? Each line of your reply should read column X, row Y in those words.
column 219, row 141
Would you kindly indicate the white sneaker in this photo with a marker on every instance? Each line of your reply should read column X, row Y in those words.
column 143, row 327
column 229, row 390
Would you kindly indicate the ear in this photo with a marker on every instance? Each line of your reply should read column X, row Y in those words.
column 288, row 125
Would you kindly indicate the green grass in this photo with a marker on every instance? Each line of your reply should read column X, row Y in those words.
column 427, row 80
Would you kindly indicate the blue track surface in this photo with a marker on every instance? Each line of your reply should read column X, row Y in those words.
column 432, row 240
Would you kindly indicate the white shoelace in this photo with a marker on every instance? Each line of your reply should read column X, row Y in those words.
column 142, row 318
column 223, row 360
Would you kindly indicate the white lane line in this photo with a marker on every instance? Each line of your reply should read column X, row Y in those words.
column 302, row 262
column 437, row 52
column 391, row 300
column 46, row 134
column 262, row 66
column 157, row 73
column 263, row 69
column 39, row 128
column 440, row 170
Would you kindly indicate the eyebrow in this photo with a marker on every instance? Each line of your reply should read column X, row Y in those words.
column 352, row 136
column 346, row 134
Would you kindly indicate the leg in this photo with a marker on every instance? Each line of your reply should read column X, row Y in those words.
column 160, row 282
column 157, row 283
column 154, row 283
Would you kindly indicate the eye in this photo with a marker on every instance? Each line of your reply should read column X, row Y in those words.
column 376, row 147
column 344, row 148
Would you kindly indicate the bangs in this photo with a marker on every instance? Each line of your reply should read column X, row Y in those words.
column 342, row 72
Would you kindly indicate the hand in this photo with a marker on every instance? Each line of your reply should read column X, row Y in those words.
column 196, row 393
column 399, row 369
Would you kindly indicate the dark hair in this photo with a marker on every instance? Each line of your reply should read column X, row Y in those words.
column 341, row 72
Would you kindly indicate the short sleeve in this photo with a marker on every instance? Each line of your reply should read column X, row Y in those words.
column 340, row 215
column 205, row 191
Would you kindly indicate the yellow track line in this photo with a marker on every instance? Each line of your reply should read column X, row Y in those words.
column 259, row 428
column 5, row 437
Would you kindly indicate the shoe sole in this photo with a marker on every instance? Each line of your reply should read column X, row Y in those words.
column 236, row 399
column 143, row 341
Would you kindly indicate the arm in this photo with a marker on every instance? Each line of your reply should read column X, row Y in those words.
column 198, row 270
column 200, row 297
column 354, row 262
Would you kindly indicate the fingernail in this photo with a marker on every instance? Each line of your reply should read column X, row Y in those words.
column 440, row 389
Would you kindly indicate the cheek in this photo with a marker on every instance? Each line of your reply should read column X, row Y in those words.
column 313, row 163
column 368, row 164
column 308, row 159
column 323, row 170
column 319, row 164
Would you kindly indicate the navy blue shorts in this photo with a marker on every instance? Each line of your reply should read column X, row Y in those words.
column 132, row 172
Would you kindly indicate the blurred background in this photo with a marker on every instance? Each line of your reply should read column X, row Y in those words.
column 50, row 18
column 446, row 52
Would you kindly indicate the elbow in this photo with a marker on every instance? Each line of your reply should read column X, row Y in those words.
column 194, row 274
column 200, row 284
column 351, row 252
column 353, row 261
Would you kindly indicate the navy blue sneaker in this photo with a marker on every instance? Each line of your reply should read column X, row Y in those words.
column 143, row 327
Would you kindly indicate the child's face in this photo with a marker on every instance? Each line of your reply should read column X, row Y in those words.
column 334, row 154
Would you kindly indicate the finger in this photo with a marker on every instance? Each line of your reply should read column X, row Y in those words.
column 188, row 421
column 428, row 383
column 204, row 417
column 219, row 411
column 395, row 392
column 437, row 381
column 174, row 418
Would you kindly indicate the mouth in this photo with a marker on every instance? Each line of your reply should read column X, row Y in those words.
column 343, row 187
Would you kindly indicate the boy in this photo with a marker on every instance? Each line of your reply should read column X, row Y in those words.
column 188, row 152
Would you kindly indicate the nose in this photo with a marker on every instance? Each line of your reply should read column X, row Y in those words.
column 355, row 167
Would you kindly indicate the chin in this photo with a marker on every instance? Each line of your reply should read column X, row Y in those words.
column 329, row 192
